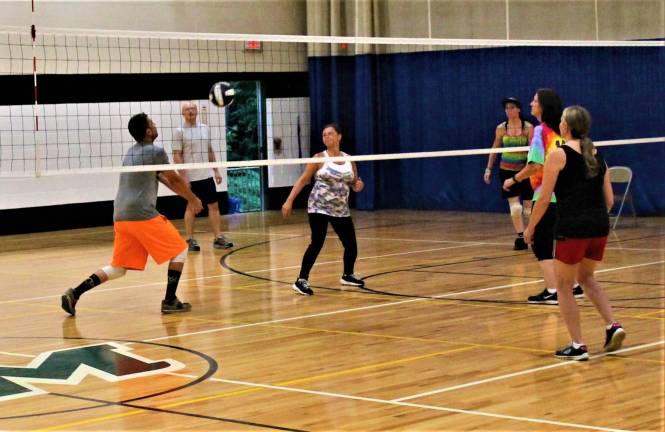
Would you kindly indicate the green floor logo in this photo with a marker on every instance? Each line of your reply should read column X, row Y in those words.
column 109, row 361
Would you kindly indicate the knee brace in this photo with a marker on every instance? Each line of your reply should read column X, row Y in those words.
column 114, row 272
column 516, row 210
column 180, row 258
column 527, row 211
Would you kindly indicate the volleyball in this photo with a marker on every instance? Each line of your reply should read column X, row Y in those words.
column 221, row 94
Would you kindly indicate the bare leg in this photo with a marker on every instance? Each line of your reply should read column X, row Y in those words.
column 528, row 205
column 547, row 267
column 593, row 290
column 215, row 219
column 189, row 222
column 565, row 276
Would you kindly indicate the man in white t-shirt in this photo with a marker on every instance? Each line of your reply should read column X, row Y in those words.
column 191, row 144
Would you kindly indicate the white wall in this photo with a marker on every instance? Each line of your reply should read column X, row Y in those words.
column 283, row 116
column 212, row 16
column 84, row 136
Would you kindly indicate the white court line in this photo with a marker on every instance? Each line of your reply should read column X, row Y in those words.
column 103, row 290
column 493, row 243
column 411, row 405
column 16, row 354
column 360, row 308
column 524, row 372
column 434, row 241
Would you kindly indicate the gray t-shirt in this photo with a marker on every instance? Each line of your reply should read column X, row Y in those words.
column 137, row 194
column 194, row 142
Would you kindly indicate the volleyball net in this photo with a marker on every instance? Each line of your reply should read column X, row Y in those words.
column 71, row 92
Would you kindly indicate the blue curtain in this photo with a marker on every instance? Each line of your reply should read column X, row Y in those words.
column 445, row 100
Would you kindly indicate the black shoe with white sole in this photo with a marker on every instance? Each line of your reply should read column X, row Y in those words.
column 352, row 279
column 301, row 286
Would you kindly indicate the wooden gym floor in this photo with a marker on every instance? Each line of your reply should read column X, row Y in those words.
column 442, row 339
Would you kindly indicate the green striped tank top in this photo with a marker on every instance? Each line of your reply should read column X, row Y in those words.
column 517, row 160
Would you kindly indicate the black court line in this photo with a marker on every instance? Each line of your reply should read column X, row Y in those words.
column 212, row 369
column 415, row 267
column 181, row 413
column 533, row 277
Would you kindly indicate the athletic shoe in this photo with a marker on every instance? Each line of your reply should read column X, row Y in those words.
column 614, row 337
column 544, row 297
column 352, row 279
column 572, row 353
column 301, row 286
column 520, row 244
column 68, row 302
column 193, row 245
column 176, row 306
column 578, row 292
column 221, row 243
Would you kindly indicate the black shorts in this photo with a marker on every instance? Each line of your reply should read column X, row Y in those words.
column 205, row 189
column 521, row 189
column 543, row 235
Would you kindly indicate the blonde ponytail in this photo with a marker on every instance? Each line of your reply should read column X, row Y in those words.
column 589, row 154
column 578, row 120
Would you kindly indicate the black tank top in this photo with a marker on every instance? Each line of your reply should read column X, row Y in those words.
column 581, row 209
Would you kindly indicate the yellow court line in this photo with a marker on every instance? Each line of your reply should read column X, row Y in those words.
column 646, row 315
column 317, row 377
column 252, row 390
column 408, row 338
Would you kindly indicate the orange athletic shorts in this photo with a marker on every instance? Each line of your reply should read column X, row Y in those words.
column 135, row 240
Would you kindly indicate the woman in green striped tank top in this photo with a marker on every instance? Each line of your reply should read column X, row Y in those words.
column 514, row 132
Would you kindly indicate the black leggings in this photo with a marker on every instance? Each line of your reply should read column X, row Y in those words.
column 543, row 235
column 343, row 226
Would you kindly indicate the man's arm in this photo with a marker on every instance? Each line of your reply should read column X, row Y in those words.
column 179, row 159
column 173, row 181
column 212, row 158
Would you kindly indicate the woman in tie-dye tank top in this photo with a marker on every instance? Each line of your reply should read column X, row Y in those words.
column 328, row 203
column 514, row 132
column 547, row 107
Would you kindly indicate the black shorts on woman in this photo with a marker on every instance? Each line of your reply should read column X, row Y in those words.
column 522, row 189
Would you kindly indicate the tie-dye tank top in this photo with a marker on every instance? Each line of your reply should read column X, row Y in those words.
column 544, row 141
column 513, row 161
column 330, row 193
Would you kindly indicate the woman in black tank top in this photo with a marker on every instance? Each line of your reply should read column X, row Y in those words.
column 579, row 177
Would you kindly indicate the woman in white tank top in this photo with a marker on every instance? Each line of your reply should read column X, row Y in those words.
column 328, row 203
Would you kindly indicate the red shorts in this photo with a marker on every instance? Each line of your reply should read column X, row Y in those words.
column 573, row 250
column 135, row 240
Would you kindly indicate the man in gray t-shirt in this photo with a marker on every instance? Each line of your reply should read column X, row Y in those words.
column 192, row 144
column 139, row 229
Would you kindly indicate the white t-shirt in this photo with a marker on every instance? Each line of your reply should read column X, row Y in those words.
column 193, row 141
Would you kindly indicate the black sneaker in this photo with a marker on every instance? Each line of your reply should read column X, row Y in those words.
column 221, row 243
column 578, row 292
column 520, row 244
column 572, row 353
column 301, row 286
column 614, row 337
column 68, row 302
column 176, row 306
column 193, row 245
column 544, row 297
column 352, row 279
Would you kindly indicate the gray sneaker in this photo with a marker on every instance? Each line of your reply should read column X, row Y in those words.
column 175, row 307
column 193, row 245
column 221, row 243
column 68, row 302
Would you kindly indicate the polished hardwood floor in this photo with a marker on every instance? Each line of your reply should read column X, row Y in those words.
column 441, row 339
